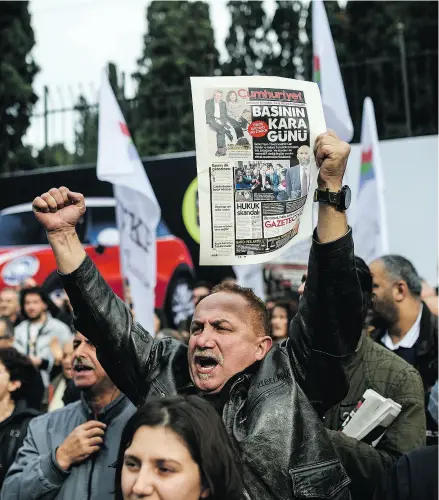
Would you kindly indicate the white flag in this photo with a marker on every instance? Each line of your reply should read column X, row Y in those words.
column 137, row 210
column 327, row 75
column 251, row 276
column 370, row 227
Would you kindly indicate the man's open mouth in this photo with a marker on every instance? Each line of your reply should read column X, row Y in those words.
column 82, row 368
column 205, row 364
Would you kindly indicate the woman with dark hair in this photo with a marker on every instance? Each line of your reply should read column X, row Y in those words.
column 177, row 448
column 234, row 114
column 281, row 316
column 16, row 376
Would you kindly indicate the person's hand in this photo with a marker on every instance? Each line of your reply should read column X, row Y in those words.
column 59, row 209
column 56, row 350
column 82, row 442
column 36, row 361
column 331, row 157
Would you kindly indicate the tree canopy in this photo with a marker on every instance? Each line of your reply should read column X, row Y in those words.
column 179, row 43
column 17, row 72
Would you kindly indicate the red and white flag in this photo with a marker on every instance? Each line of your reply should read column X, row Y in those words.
column 137, row 209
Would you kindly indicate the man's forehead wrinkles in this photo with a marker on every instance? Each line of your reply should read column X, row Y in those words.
column 214, row 318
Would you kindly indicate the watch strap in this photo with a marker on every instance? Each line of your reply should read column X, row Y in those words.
column 327, row 196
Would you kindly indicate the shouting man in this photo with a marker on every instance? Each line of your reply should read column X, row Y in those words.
column 267, row 395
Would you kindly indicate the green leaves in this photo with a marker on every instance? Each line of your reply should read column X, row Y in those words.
column 17, row 72
column 179, row 44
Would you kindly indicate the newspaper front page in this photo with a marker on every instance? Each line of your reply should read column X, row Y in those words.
column 254, row 140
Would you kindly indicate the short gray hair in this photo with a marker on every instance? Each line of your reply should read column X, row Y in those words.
column 400, row 268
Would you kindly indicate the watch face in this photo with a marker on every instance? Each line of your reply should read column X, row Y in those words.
column 347, row 198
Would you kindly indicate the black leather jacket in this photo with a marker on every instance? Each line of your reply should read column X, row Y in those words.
column 283, row 445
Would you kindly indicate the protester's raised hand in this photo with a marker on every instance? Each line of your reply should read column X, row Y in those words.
column 331, row 155
column 59, row 209
column 56, row 350
column 82, row 442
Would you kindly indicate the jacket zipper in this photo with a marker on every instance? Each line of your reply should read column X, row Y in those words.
column 90, row 477
column 228, row 407
column 229, row 424
column 93, row 463
column 161, row 389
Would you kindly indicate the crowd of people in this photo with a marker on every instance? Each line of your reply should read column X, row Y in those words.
column 283, row 180
column 246, row 400
column 263, row 177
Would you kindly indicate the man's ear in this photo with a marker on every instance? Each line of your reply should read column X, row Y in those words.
column 400, row 290
column 264, row 345
column 205, row 493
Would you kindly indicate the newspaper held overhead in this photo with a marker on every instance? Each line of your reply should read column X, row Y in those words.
column 254, row 138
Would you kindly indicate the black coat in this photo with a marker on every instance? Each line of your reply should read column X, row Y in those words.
column 12, row 433
column 210, row 111
column 425, row 348
column 413, row 477
column 426, row 361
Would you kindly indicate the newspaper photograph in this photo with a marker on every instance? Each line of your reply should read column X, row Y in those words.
column 254, row 138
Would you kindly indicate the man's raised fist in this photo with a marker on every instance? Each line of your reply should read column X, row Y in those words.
column 59, row 209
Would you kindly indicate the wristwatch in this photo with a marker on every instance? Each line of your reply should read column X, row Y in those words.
column 341, row 199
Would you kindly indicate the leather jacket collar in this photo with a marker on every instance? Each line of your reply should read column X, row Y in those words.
column 219, row 400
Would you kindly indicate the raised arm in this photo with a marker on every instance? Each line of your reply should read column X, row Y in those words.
column 127, row 352
column 331, row 157
column 331, row 312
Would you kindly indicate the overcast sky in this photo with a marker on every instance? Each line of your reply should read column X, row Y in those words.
column 74, row 41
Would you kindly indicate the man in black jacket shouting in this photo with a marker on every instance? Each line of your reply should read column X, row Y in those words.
column 267, row 395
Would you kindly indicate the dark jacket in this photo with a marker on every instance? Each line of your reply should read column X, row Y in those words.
column 284, row 447
column 12, row 433
column 210, row 111
column 426, row 361
column 35, row 474
column 294, row 187
column 375, row 367
column 413, row 477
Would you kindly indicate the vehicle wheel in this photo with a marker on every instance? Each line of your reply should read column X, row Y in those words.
column 178, row 303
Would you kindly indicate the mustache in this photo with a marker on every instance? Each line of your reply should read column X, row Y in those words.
column 82, row 362
column 208, row 354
